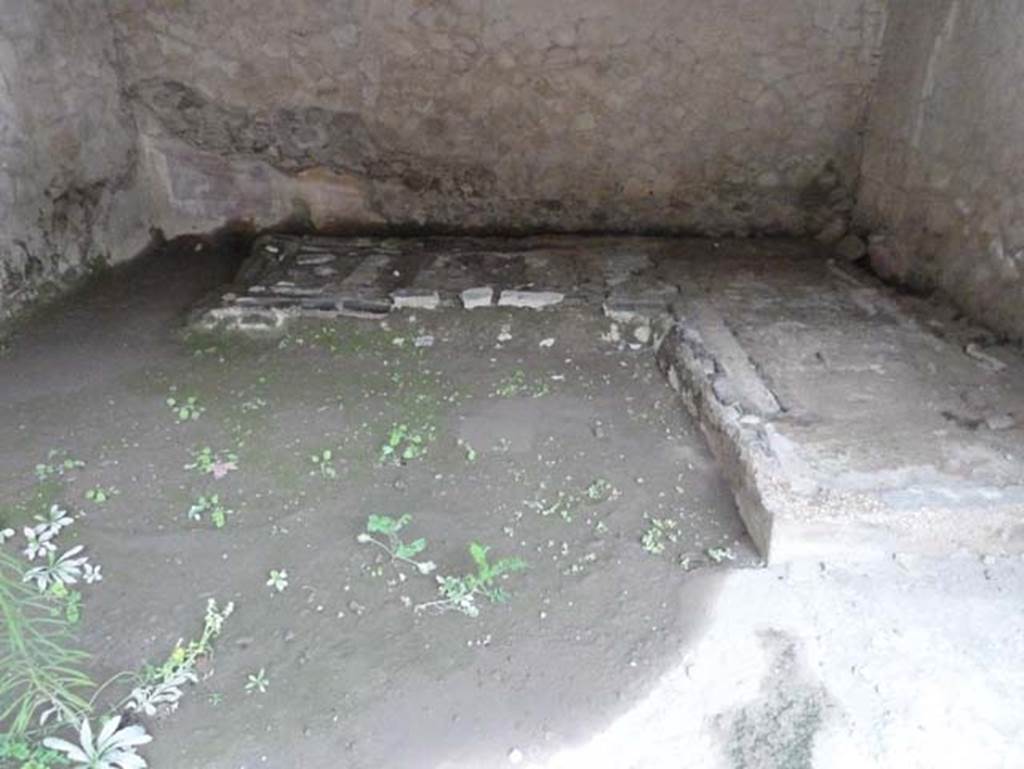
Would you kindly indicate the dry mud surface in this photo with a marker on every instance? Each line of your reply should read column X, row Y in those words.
column 539, row 439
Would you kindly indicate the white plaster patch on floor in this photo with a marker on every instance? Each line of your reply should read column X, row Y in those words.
column 919, row 665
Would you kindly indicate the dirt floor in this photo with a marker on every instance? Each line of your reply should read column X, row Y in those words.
column 529, row 433
column 539, row 437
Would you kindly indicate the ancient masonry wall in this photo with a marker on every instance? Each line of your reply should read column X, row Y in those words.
column 942, row 188
column 68, row 149
column 707, row 116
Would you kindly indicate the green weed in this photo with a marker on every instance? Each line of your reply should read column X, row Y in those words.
column 101, row 495
column 212, row 505
column 215, row 463
column 161, row 687
column 57, row 463
column 404, row 444
column 186, row 409
column 516, row 385
column 392, row 544
column 322, row 463
column 471, row 454
column 599, row 490
column 720, row 554
column 659, row 532
column 20, row 752
column 461, row 593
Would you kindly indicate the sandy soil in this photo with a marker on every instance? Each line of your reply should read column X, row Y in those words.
column 539, row 439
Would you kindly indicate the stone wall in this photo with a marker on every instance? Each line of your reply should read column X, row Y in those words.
column 67, row 148
column 711, row 116
column 943, row 172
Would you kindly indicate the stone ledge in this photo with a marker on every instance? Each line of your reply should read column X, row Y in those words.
column 801, row 487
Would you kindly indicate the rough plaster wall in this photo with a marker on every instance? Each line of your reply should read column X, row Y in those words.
column 67, row 148
column 701, row 115
column 943, row 172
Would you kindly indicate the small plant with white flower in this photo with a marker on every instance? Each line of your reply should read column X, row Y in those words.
column 36, row 545
column 160, row 688
column 257, row 682
column 91, row 573
column 64, row 570
column 51, row 524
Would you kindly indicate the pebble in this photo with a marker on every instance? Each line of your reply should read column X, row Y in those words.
column 851, row 248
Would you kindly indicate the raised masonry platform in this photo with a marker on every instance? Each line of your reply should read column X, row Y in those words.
column 852, row 421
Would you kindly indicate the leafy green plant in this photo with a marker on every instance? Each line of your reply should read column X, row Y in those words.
column 100, row 495
column 720, row 554
column 516, row 384
column 57, row 463
column 72, row 602
column 659, row 532
column 471, row 453
column 392, row 544
column 322, row 464
column 113, row 748
column 599, row 490
column 278, row 579
column 27, row 754
column 40, row 673
column 186, row 409
column 215, row 463
column 210, row 504
column 403, row 444
column 461, row 593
